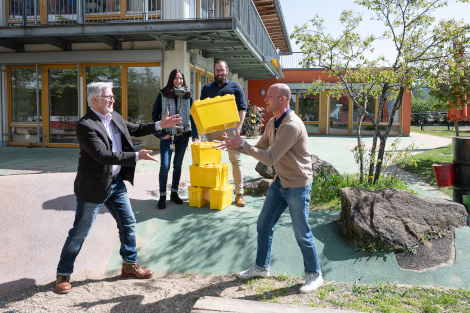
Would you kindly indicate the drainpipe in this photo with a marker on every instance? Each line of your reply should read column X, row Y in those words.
column 37, row 103
column 1, row 105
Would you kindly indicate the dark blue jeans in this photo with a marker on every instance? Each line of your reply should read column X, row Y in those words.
column 120, row 208
column 277, row 200
column 181, row 143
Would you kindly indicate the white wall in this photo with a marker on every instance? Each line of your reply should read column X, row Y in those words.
column 175, row 10
column 178, row 58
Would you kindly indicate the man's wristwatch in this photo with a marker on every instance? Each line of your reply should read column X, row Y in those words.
column 241, row 145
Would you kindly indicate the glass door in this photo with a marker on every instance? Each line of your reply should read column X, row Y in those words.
column 64, row 111
column 339, row 115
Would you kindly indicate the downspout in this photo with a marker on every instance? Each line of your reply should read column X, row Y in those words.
column 1, row 104
column 37, row 103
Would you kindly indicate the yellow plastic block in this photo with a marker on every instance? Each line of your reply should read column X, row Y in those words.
column 221, row 197
column 209, row 175
column 225, row 169
column 203, row 153
column 197, row 196
column 214, row 114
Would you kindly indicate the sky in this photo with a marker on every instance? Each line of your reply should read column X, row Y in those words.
column 301, row 11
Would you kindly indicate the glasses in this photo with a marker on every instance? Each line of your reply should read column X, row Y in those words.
column 109, row 97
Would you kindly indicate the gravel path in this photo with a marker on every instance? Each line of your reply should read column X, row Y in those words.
column 162, row 293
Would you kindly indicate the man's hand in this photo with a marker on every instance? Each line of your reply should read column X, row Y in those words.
column 170, row 121
column 229, row 143
column 144, row 155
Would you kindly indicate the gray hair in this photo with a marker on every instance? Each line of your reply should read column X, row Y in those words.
column 94, row 90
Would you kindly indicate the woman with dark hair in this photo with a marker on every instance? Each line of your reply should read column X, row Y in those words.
column 174, row 98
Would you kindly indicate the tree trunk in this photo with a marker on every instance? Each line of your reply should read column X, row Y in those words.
column 376, row 133
column 383, row 139
column 361, row 150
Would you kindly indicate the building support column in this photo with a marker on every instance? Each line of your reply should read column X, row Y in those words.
column 178, row 58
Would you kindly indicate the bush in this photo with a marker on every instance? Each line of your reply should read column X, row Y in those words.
column 325, row 188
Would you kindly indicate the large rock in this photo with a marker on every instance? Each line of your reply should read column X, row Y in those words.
column 397, row 216
column 265, row 171
column 318, row 166
column 259, row 187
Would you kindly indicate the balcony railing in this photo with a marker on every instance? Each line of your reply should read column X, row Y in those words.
column 59, row 12
column 295, row 60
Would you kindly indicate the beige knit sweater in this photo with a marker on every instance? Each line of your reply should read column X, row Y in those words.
column 289, row 151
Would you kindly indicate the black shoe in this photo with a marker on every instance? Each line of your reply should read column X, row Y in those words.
column 175, row 198
column 162, row 202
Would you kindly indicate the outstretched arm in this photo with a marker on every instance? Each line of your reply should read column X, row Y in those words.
column 229, row 143
column 170, row 121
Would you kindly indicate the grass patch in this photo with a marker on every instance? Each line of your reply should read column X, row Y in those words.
column 381, row 297
column 325, row 188
column 441, row 131
column 425, row 160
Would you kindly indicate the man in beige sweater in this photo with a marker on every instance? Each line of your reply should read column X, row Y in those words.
column 291, row 187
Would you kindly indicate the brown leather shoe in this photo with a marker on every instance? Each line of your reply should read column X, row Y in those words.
column 135, row 270
column 239, row 199
column 62, row 284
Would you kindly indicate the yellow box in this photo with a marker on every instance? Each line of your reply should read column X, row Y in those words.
column 221, row 197
column 203, row 153
column 214, row 114
column 225, row 170
column 209, row 175
column 197, row 196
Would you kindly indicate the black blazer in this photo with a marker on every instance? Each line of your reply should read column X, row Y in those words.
column 93, row 181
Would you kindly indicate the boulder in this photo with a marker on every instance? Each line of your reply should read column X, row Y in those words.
column 320, row 166
column 265, row 171
column 397, row 217
column 259, row 187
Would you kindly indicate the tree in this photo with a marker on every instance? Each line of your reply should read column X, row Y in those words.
column 450, row 84
column 421, row 48
column 422, row 101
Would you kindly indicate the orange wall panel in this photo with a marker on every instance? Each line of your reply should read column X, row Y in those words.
column 306, row 77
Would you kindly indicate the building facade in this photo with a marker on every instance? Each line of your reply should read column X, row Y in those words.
column 51, row 49
column 324, row 115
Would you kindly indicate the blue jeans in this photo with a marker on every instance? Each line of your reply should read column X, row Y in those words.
column 120, row 208
column 181, row 143
column 277, row 200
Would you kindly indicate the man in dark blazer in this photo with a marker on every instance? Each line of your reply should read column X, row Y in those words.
column 107, row 158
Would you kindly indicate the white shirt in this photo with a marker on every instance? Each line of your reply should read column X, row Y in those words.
column 115, row 135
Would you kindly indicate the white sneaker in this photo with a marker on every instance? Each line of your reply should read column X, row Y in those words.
column 252, row 272
column 314, row 281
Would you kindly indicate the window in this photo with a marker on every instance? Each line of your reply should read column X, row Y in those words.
column 357, row 112
column 23, row 95
column 143, row 84
column 309, row 106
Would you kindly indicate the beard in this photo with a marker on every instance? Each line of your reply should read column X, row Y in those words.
column 220, row 79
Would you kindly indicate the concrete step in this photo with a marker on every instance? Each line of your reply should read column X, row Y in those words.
column 227, row 305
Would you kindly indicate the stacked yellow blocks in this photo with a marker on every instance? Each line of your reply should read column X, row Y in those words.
column 209, row 177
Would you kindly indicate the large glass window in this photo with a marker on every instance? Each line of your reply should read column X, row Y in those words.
column 293, row 102
column 108, row 74
column 143, row 84
column 64, row 107
column 309, row 107
column 357, row 112
column 388, row 109
column 23, row 95
column 339, row 115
